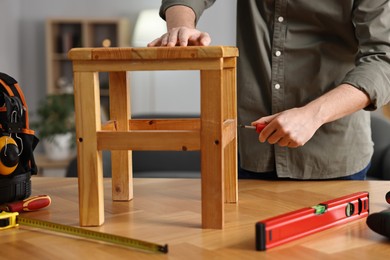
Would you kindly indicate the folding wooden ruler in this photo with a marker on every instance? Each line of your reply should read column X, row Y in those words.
column 281, row 229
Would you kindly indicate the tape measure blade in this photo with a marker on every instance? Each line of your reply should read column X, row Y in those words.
column 94, row 235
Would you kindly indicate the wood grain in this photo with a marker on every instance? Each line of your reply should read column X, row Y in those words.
column 152, row 53
column 89, row 159
column 168, row 211
column 121, row 161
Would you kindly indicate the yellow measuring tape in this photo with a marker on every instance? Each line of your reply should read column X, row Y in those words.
column 12, row 219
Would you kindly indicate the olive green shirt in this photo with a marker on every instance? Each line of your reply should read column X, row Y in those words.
column 292, row 52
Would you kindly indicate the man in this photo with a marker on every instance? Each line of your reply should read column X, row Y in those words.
column 310, row 70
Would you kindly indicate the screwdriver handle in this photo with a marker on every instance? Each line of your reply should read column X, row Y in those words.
column 29, row 204
column 260, row 127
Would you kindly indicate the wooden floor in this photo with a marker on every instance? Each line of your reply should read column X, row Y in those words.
column 167, row 211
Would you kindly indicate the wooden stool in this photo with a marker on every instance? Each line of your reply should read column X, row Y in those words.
column 214, row 133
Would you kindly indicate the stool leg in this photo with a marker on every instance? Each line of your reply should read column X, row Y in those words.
column 212, row 150
column 230, row 153
column 89, row 159
column 121, row 161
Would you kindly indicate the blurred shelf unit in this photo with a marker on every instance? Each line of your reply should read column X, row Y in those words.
column 62, row 34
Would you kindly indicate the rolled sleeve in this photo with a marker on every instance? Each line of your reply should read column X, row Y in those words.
column 372, row 71
column 198, row 6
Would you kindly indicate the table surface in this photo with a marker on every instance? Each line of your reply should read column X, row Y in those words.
column 167, row 211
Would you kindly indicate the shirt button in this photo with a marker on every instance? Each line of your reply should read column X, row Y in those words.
column 277, row 86
column 278, row 53
column 280, row 19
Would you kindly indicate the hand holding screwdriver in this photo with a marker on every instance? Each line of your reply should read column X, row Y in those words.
column 258, row 127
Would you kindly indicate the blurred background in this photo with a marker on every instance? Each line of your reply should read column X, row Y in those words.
column 36, row 35
column 23, row 48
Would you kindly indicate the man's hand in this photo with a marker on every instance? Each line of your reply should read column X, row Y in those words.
column 181, row 29
column 294, row 127
column 182, row 36
column 291, row 128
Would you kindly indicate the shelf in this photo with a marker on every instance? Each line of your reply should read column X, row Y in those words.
column 62, row 34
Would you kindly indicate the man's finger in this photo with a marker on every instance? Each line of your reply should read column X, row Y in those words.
column 155, row 42
column 205, row 39
column 183, row 36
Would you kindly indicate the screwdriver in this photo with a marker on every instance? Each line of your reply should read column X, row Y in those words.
column 29, row 204
column 258, row 127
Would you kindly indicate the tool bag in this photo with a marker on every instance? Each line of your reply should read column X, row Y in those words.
column 17, row 143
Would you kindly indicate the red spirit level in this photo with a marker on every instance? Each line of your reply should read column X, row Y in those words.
column 293, row 225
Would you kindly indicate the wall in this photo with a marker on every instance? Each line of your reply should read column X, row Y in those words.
column 31, row 16
column 9, row 31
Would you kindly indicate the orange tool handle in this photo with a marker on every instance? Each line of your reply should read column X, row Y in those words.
column 29, row 204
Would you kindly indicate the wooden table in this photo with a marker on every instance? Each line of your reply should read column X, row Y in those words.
column 167, row 211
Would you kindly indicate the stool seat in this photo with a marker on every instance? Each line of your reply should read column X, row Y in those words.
column 214, row 133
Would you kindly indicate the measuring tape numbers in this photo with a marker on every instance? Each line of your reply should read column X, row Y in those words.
column 12, row 219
